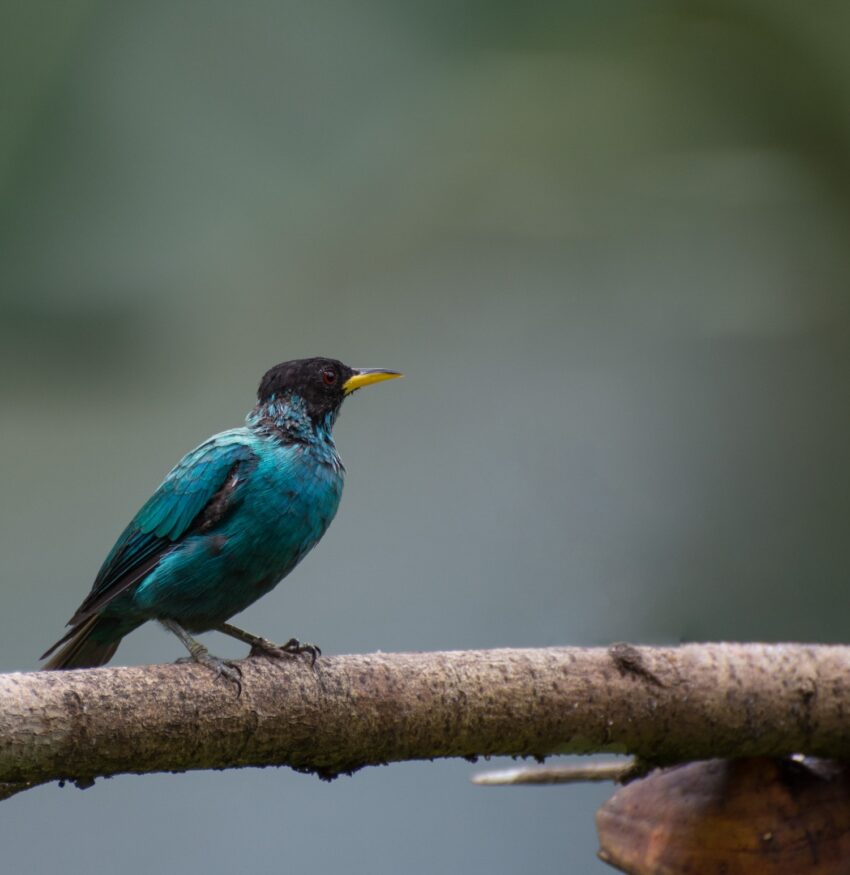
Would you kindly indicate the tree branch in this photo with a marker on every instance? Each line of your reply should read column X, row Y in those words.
column 615, row 770
column 662, row 704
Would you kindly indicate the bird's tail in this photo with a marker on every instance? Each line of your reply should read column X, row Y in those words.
column 86, row 646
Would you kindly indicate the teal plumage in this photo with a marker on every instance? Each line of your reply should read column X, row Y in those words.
column 229, row 521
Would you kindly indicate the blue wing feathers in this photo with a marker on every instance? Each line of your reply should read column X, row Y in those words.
column 167, row 516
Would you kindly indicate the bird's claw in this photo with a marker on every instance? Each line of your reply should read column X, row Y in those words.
column 223, row 668
column 227, row 669
column 296, row 648
column 293, row 647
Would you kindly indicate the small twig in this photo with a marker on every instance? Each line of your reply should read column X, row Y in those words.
column 606, row 770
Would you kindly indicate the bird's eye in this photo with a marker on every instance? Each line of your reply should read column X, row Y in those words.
column 328, row 377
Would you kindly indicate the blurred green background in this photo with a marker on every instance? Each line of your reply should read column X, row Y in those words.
column 606, row 241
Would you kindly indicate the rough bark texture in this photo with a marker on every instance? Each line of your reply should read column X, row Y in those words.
column 661, row 704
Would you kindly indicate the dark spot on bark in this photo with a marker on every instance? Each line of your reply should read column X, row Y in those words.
column 628, row 660
column 808, row 695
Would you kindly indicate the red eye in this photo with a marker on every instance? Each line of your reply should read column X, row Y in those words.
column 328, row 377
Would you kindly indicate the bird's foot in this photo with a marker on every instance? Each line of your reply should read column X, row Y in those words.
column 293, row 647
column 223, row 668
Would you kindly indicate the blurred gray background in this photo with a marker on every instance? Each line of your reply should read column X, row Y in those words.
column 608, row 244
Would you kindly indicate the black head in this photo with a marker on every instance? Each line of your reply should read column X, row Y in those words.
column 320, row 382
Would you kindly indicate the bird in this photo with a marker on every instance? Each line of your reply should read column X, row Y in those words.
column 226, row 525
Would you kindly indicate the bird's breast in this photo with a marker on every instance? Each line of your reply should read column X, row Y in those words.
column 295, row 499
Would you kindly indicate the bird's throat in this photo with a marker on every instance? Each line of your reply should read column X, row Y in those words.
column 288, row 420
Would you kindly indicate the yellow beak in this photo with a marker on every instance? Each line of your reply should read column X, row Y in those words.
column 365, row 377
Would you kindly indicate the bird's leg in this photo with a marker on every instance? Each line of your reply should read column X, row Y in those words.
column 261, row 647
column 200, row 654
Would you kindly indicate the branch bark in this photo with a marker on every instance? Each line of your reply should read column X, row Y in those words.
column 663, row 705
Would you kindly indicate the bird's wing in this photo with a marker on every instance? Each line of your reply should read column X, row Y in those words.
column 195, row 495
